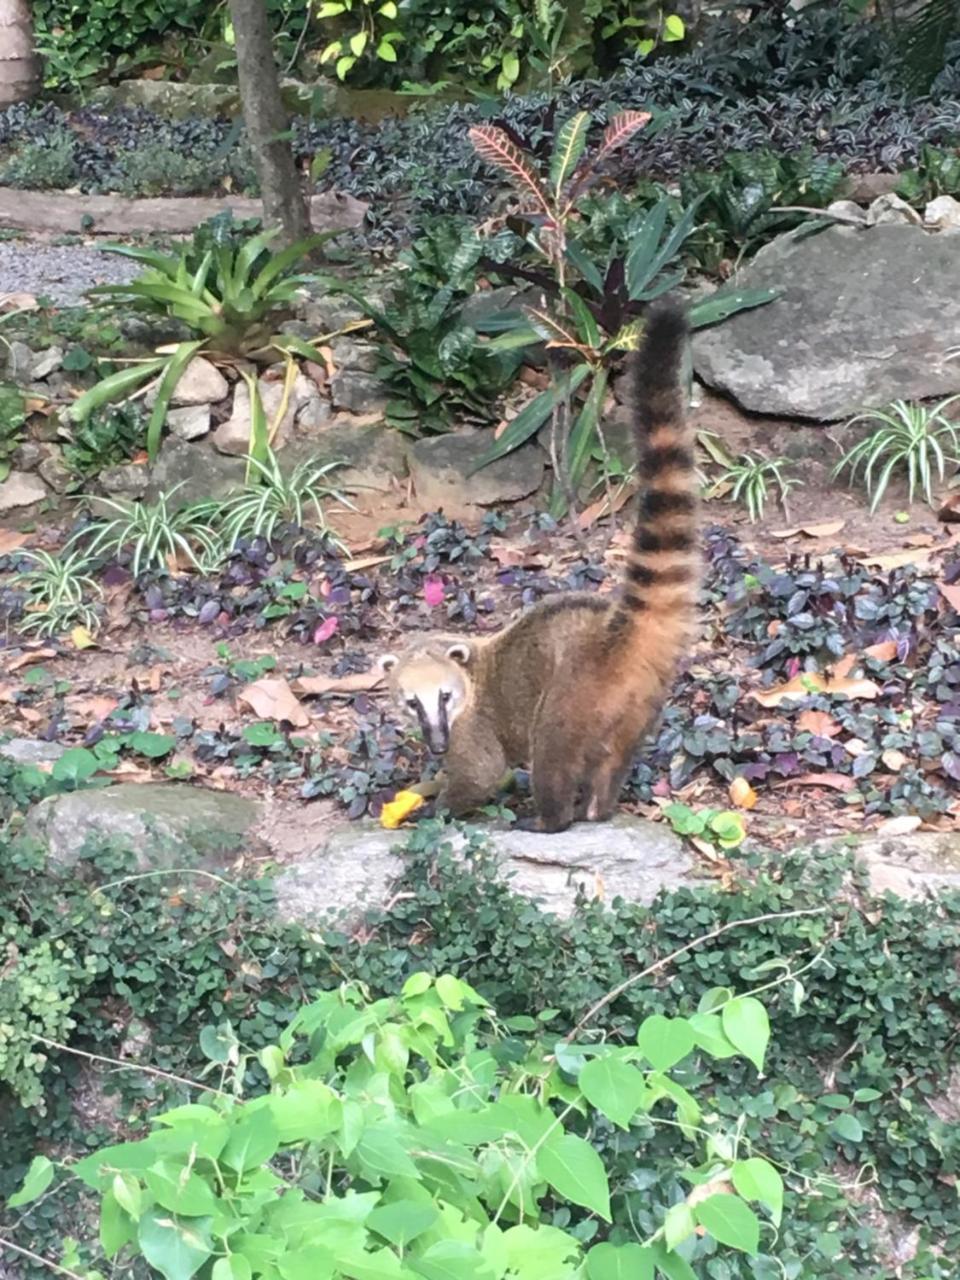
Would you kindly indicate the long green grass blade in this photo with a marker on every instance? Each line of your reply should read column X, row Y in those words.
column 117, row 387
column 583, row 437
column 531, row 418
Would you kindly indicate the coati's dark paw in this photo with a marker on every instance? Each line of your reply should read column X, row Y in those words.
column 528, row 824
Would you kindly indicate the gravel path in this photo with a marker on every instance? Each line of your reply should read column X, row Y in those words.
column 60, row 272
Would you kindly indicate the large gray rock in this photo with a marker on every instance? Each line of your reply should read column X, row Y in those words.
column 356, row 867
column 195, row 472
column 921, row 864
column 358, row 392
column 373, row 457
column 233, row 435
column 167, row 824
column 443, row 476
column 21, row 489
column 865, row 317
column 31, row 751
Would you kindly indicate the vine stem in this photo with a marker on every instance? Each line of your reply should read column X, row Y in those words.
column 132, row 1066
column 37, row 1257
column 674, row 955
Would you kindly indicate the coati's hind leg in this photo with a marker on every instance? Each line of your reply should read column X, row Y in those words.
column 473, row 768
column 560, row 790
column 604, row 790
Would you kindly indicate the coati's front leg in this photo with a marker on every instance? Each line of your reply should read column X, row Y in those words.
column 473, row 767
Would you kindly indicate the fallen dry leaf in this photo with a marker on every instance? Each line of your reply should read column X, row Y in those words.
column 811, row 682
column 949, row 512
column 893, row 759
column 918, row 557
column 32, row 656
column 365, row 562
column 885, row 651
column 835, row 781
column 10, row 540
column 742, row 794
column 517, row 555
column 18, row 302
column 273, row 699
column 819, row 723
column 357, row 682
column 590, row 515
column 900, row 826
column 826, row 530
column 951, row 593
column 82, row 639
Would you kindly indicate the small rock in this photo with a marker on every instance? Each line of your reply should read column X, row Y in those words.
column 28, row 455
column 631, row 858
column 349, row 354
column 942, row 213
column 202, row 383
column 866, row 187
column 848, row 209
column 358, row 392
column 21, row 489
column 46, row 362
column 168, row 824
column 125, row 481
column 313, row 413
column 891, row 208
column 31, row 751
column 191, row 422
column 56, row 472
column 178, row 472
column 19, row 361
column 919, row 865
column 441, row 469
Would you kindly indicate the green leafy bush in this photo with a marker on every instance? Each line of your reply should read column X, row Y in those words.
column 13, row 415
column 43, row 164
column 425, row 1143
column 109, row 436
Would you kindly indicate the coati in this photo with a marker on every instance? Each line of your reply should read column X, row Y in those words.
column 572, row 685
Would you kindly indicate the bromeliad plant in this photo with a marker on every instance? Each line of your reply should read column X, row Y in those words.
column 231, row 299
column 915, row 439
column 413, row 1137
column 591, row 307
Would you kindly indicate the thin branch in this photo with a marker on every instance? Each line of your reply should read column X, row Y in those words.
column 674, row 955
column 850, row 219
column 131, row 1066
column 36, row 1257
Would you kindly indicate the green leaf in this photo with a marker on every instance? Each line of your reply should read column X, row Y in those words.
column 707, row 1031
column 386, row 52
column 620, row 1262
column 847, row 1127
column 729, row 829
column 152, row 745
column 76, row 765
column 38, row 1178
column 117, row 387
column 757, row 1179
column 587, row 327
column 182, row 1192
column 730, row 1222
column 176, row 1249
column 671, row 1265
column 746, row 1025
column 530, row 419
column 416, row 985
column 344, row 64
column 358, row 43
column 510, row 67
column 127, row 1193
column 725, row 303
column 233, row 1268
column 665, row 1041
column 381, row 1154
column 116, row 1226
column 673, row 28
column 570, row 141
column 613, row 1087
column 575, row 1171
column 678, row 1225
column 451, row 991
column 252, row 1142
column 402, row 1221
column 451, row 1260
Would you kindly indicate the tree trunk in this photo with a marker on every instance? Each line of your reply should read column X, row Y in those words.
column 267, row 122
column 19, row 64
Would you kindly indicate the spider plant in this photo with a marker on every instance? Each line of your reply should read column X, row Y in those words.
column 915, row 439
column 753, row 478
column 154, row 533
column 271, row 499
column 57, row 588
column 231, row 299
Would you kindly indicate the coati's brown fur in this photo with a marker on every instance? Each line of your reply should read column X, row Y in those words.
column 572, row 685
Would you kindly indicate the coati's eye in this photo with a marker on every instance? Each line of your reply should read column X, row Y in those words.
column 412, row 703
column 445, row 696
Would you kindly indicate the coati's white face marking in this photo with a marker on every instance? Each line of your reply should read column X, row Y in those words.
column 431, row 689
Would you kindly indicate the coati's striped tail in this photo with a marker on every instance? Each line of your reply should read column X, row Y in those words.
column 663, row 566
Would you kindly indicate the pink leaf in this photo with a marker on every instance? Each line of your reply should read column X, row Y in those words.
column 325, row 630
column 433, row 590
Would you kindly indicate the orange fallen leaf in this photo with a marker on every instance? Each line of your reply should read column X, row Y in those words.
column 949, row 512
column 30, row 657
column 273, row 699
column 590, row 515
column 819, row 723
column 919, row 557
column 835, row 781
column 91, row 709
column 399, row 809
column 825, row 530
column 742, row 794
column 357, row 682
column 884, row 651
column 18, row 302
column 811, row 682
column 10, row 540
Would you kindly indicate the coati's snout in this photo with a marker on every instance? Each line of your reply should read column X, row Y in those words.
column 430, row 687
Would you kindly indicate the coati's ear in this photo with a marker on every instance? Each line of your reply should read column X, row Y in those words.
column 460, row 653
column 386, row 662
